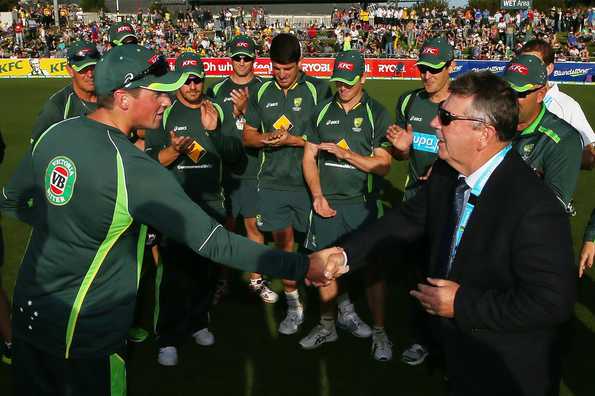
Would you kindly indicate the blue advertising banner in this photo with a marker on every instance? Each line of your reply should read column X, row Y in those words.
column 563, row 71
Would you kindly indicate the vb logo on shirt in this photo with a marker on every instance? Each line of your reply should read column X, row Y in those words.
column 60, row 177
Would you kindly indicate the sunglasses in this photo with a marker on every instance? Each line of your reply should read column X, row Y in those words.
column 522, row 95
column 423, row 69
column 84, row 55
column 193, row 79
column 239, row 58
column 446, row 117
column 157, row 69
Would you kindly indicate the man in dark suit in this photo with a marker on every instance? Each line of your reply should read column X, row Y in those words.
column 501, row 276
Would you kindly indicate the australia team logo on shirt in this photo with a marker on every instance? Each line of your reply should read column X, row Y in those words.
column 357, row 124
column 60, row 177
column 297, row 104
column 527, row 150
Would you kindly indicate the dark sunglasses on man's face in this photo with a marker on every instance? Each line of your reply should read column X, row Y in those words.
column 523, row 95
column 424, row 69
column 239, row 58
column 446, row 117
column 193, row 79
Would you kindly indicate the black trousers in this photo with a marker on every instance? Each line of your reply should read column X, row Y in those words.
column 185, row 284
column 37, row 373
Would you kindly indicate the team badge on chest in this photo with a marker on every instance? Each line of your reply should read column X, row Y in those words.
column 357, row 124
column 527, row 150
column 60, row 177
column 297, row 104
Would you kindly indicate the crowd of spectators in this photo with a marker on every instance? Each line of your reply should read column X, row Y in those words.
column 378, row 31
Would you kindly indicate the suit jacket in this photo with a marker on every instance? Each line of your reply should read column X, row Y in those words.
column 516, row 272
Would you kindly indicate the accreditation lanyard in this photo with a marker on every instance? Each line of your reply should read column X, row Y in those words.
column 473, row 198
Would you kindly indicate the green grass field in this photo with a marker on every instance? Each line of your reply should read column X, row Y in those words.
column 249, row 357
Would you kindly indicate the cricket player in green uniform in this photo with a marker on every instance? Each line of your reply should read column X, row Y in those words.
column 415, row 139
column 344, row 162
column 588, row 251
column 232, row 95
column 191, row 146
column 121, row 33
column 77, row 98
column 277, row 119
column 549, row 145
column 89, row 194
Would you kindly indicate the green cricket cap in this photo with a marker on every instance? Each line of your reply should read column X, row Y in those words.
column 242, row 45
column 525, row 72
column 435, row 53
column 82, row 54
column 190, row 63
column 133, row 66
column 120, row 32
column 349, row 67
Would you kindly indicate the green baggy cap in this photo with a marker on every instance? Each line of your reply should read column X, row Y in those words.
column 82, row 54
column 435, row 53
column 191, row 64
column 525, row 72
column 349, row 67
column 242, row 45
column 133, row 66
column 119, row 32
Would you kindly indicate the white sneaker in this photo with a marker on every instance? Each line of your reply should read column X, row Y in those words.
column 168, row 356
column 204, row 337
column 262, row 289
column 382, row 348
column 292, row 322
column 414, row 355
column 350, row 321
column 318, row 336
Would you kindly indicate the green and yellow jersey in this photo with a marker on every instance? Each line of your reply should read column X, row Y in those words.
column 61, row 105
column 233, row 126
column 416, row 108
column 281, row 168
column 553, row 148
column 360, row 130
column 89, row 194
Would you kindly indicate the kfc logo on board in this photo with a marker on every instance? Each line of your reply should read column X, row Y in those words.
column 518, row 68
column 345, row 66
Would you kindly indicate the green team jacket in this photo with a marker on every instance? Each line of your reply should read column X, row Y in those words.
column 362, row 130
column 553, row 148
column 281, row 168
column 60, row 106
column 233, row 126
column 201, row 180
column 87, row 191
column 590, row 231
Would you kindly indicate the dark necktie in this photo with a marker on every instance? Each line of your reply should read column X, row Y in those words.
column 457, row 210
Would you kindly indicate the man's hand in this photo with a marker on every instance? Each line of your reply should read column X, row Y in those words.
column 239, row 98
column 323, row 269
column 438, row 299
column 586, row 257
column 276, row 138
column 180, row 144
column 322, row 207
column 400, row 138
column 588, row 161
column 208, row 115
column 337, row 151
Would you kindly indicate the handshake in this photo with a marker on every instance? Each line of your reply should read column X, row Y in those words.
column 325, row 266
